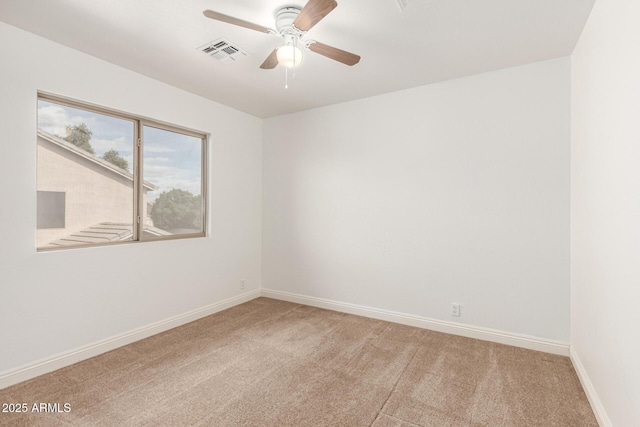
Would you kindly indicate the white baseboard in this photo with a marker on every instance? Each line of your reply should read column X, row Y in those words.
column 53, row 363
column 50, row 364
column 486, row 334
column 590, row 391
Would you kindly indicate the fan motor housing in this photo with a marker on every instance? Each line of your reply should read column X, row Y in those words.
column 285, row 18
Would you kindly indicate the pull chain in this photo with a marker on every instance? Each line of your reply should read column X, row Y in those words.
column 286, row 70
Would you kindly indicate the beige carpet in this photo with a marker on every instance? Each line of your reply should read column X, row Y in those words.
column 273, row 363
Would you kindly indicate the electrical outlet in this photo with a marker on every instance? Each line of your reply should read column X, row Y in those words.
column 455, row 309
column 242, row 284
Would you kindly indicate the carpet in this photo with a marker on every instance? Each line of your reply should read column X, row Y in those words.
column 274, row 363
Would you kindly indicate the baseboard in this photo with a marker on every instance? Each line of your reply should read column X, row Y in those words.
column 589, row 390
column 32, row 370
column 486, row 334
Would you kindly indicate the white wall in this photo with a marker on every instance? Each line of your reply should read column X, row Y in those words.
column 605, row 208
column 57, row 301
column 452, row 192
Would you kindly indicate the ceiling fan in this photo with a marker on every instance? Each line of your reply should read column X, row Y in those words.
column 291, row 24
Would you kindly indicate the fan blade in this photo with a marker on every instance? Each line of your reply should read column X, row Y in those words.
column 271, row 61
column 235, row 21
column 334, row 53
column 313, row 12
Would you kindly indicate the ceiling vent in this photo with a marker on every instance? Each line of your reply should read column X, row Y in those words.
column 223, row 51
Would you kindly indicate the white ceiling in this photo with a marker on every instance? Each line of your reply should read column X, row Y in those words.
column 428, row 41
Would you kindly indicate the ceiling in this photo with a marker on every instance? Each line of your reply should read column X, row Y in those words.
column 427, row 41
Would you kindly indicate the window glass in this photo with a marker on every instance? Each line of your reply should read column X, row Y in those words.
column 173, row 163
column 88, row 158
column 106, row 177
column 51, row 209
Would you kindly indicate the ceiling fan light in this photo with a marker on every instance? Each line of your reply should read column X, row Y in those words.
column 289, row 56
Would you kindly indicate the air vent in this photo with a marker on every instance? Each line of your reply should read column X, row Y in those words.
column 223, row 51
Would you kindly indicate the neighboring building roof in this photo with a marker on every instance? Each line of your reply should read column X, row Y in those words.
column 91, row 157
column 106, row 232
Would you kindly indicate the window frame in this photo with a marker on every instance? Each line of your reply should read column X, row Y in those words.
column 137, row 201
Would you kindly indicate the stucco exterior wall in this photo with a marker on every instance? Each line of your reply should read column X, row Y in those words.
column 94, row 194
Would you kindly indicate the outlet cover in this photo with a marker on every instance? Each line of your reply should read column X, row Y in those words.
column 455, row 309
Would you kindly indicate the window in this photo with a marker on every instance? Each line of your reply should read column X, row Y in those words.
column 105, row 177
column 50, row 209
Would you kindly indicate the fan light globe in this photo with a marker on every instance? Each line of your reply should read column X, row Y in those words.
column 289, row 56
